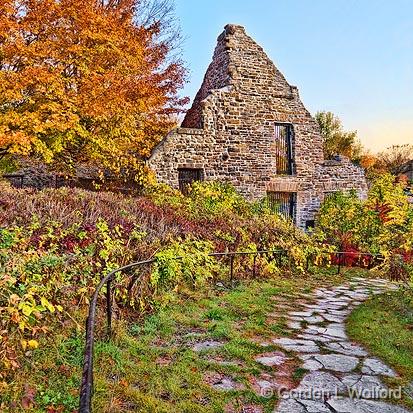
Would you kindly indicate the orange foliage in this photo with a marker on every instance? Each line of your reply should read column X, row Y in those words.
column 81, row 81
column 368, row 161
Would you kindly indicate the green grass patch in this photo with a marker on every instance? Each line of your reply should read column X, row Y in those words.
column 384, row 325
column 149, row 365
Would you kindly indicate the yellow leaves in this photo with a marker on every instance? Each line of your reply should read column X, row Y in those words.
column 10, row 364
column 22, row 325
column 33, row 344
column 26, row 314
column 29, row 344
column 86, row 88
column 47, row 304
column 82, row 290
column 23, row 310
column 26, row 308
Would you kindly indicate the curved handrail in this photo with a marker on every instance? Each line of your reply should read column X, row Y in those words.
column 87, row 376
column 86, row 390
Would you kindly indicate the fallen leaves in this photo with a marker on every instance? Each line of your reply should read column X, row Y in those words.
column 27, row 401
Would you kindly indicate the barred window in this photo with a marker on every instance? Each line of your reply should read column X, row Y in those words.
column 188, row 175
column 283, row 203
column 283, row 134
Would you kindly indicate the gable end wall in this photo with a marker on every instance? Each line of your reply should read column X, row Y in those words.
column 229, row 132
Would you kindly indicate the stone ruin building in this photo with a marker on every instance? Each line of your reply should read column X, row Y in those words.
column 248, row 126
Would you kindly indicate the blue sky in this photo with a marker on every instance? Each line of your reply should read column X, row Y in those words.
column 354, row 58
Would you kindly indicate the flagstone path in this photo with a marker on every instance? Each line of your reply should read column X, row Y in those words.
column 340, row 376
column 337, row 368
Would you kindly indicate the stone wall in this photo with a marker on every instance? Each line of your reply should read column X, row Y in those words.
column 35, row 174
column 330, row 176
column 229, row 131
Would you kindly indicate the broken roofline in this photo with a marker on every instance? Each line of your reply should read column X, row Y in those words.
column 236, row 131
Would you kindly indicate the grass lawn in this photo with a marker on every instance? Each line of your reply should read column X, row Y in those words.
column 150, row 365
column 384, row 324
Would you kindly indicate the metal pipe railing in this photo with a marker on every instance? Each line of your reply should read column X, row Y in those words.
column 86, row 389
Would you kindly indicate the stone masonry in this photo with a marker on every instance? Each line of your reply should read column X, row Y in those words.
column 229, row 133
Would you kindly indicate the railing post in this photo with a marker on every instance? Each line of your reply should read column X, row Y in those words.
column 253, row 265
column 307, row 262
column 231, row 268
column 109, row 307
column 86, row 389
column 339, row 262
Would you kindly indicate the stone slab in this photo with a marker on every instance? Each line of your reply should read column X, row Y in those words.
column 347, row 405
column 375, row 366
column 206, row 345
column 337, row 362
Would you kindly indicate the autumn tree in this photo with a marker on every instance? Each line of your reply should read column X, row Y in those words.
column 91, row 81
column 336, row 140
column 395, row 157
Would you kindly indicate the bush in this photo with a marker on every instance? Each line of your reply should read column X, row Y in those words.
column 382, row 224
column 56, row 244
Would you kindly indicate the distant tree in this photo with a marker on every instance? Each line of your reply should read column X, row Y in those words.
column 368, row 160
column 372, row 165
column 92, row 81
column 393, row 158
column 335, row 139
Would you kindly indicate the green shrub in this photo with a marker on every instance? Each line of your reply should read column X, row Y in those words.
column 214, row 198
column 184, row 264
column 56, row 244
column 381, row 224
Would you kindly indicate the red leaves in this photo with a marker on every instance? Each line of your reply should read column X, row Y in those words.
column 52, row 409
column 65, row 370
column 28, row 397
column 383, row 211
column 351, row 257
